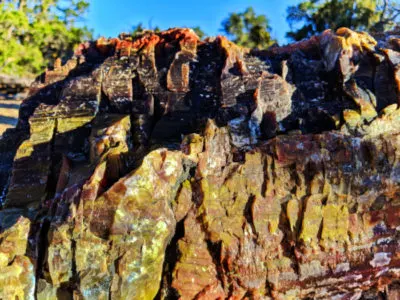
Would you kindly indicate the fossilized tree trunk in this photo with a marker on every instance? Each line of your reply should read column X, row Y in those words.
column 168, row 167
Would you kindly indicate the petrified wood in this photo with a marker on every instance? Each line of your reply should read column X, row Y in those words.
column 13, row 84
column 165, row 167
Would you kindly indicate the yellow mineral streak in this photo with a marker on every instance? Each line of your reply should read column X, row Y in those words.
column 60, row 255
column 138, row 232
column 344, row 40
column 40, row 133
column 13, row 241
column 388, row 121
column 312, row 220
column 68, row 124
column 358, row 40
column 334, row 225
column 292, row 212
column 17, row 276
column 352, row 118
column 272, row 217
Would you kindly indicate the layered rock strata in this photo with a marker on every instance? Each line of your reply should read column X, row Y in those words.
column 165, row 167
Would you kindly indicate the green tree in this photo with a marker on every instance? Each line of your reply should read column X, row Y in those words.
column 248, row 29
column 35, row 32
column 139, row 29
column 200, row 33
column 389, row 15
column 314, row 16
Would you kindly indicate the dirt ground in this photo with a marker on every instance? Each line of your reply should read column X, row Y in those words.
column 8, row 114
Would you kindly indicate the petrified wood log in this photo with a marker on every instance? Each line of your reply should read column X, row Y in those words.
column 11, row 83
column 168, row 167
column 12, row 87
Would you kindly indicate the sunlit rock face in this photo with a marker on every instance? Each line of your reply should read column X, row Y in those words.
column 165, row 167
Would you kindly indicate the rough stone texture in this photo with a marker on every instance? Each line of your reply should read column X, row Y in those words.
column 166, row 167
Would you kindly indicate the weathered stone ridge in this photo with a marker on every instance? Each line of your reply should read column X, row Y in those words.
column 166, row 167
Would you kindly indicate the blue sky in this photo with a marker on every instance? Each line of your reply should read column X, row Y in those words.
column 110, row 17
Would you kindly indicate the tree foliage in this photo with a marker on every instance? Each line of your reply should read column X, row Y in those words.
column 35, row 32
column 139, row 29
column 200, row 33
column 314, row 16
column 248, row 29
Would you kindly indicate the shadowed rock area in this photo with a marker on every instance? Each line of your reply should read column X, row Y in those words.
column 165, row 167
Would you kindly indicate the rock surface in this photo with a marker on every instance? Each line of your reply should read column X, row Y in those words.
column 166, row 167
